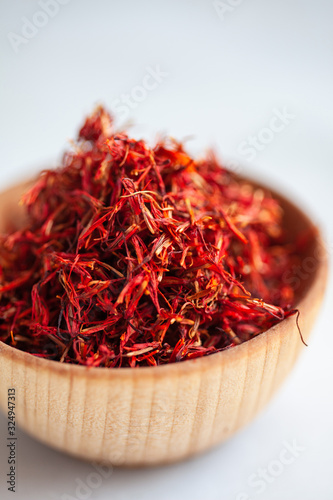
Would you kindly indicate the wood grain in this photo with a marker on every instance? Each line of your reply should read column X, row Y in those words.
column 154, row 415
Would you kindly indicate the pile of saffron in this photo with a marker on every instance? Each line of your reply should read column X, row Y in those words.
column 137, row 256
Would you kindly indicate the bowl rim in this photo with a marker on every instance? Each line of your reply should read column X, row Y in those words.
column 257, row 343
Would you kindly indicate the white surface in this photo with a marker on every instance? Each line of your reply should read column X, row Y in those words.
column 225, row 78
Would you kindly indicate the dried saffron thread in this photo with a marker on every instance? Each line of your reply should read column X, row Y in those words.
column 134, row 256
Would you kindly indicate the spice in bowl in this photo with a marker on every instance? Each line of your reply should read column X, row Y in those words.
column 136, row 256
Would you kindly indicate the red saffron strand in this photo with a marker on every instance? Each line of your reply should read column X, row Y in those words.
column 134, row 256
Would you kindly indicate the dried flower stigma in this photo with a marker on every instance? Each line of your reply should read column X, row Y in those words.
column 134, row 256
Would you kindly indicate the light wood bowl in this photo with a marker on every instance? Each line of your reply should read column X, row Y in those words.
column 159, row 414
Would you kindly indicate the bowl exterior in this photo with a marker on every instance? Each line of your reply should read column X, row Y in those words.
column 149, row 416
column 162, row 414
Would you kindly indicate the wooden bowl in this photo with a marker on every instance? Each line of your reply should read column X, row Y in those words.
column 154, row 415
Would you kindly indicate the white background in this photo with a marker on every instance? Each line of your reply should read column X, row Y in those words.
column 226, row 75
